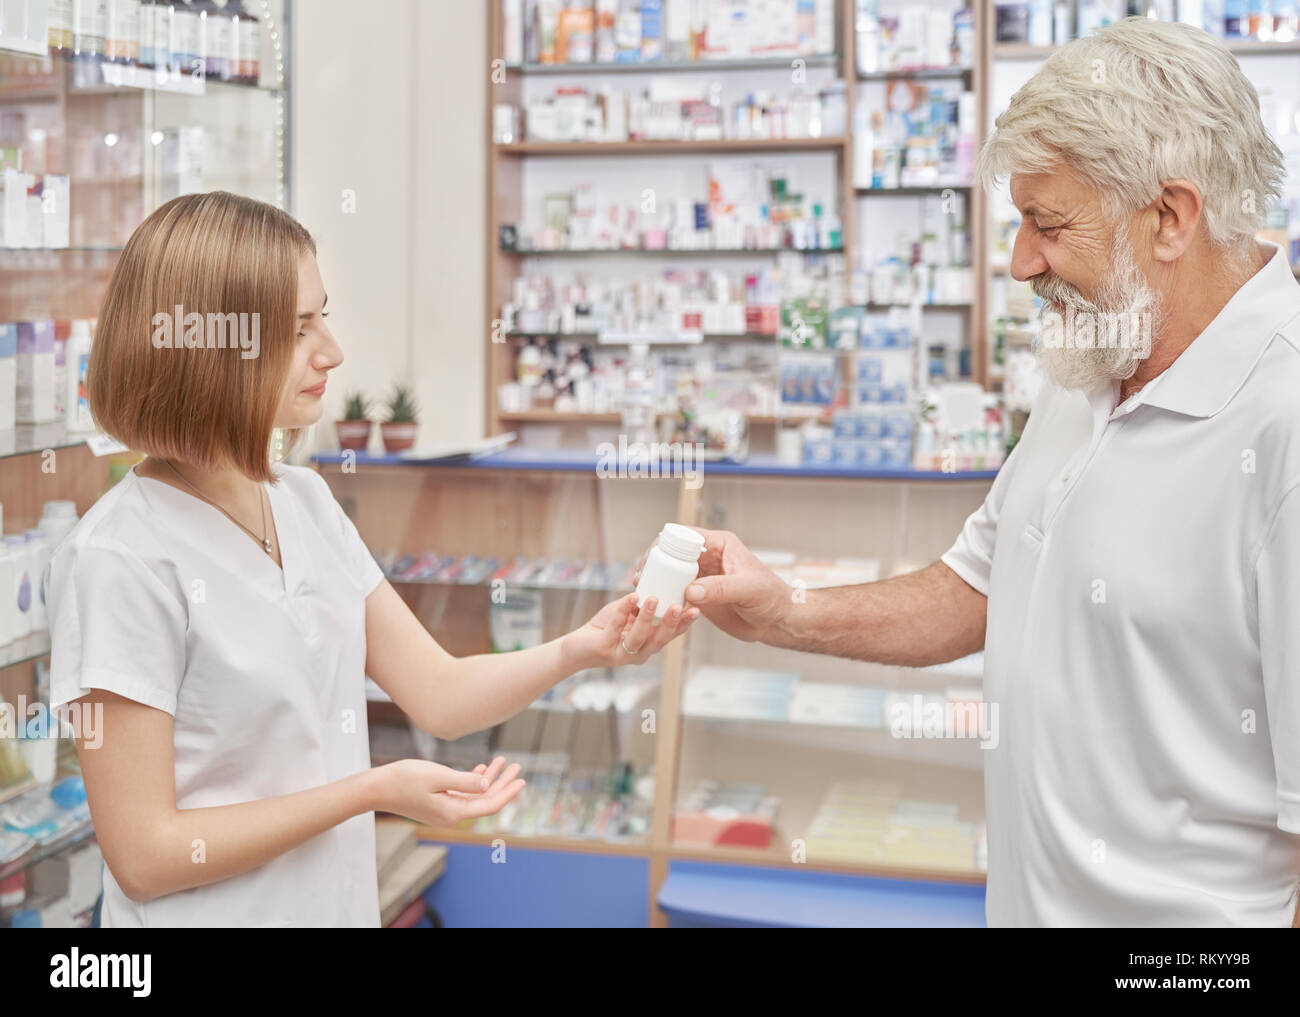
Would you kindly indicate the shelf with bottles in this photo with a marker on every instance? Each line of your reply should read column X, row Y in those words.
column 696, row 66
column 631, row 34
column 723, row 146
column 589, row 771
column 799, row 727
column 920, row 138
column 903, row 39
column 739, row 207
column 202, row 41
column 1037, row 28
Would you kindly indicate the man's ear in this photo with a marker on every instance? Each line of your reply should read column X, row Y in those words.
column 1177, row 210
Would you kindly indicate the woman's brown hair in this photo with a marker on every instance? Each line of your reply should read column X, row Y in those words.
column 214, row 255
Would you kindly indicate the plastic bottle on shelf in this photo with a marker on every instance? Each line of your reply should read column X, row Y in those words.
column 60, row 27
column 250, row 46
column 122, row 32
column 76, row 362
column 162, row 14
column 186, row 53
column 8, row 623
column 218, row 36
column 88, row 27
column 58, row 518
column 38, row 552
column 20, row 590
column 144, row 34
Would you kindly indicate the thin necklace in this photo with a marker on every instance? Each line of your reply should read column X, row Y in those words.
column 264, row 541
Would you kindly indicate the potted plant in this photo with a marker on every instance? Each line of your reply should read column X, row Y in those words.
column 354, row 429
column 403, row 420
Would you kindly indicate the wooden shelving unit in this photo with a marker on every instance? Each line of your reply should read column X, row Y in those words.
column 505, row 172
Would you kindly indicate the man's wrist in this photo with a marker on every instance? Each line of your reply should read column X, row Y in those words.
column 789, row 630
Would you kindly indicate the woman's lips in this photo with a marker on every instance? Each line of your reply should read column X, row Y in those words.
column 318, row 391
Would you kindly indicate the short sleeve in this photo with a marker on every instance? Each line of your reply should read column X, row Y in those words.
column 1277, row 589
column 971, row 557
column 361, row 562
column 114, row 625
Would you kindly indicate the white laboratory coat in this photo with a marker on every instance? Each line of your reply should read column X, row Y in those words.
column 158, row 597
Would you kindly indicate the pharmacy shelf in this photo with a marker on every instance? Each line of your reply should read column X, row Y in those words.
column 702, row 853
column 568, row 587
column 91, row 249
column 69, row 838
column 781, row 63
column 667, row 252
column 872, row 192
column 1247, row 47
column 916, row 74
column 594, row 338
column 27, row 439
column 30, row 647
column 722, row 146
column 957, row 308
column 97, row 74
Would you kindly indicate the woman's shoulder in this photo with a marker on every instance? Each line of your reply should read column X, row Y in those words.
column 307, row 487
column 123, row 524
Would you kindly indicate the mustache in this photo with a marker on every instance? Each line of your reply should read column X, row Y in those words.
column 1053, row 290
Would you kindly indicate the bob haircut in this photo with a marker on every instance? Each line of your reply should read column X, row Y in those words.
column 171, row 392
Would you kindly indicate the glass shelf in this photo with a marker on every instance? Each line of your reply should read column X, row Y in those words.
column 697, row 66
column 25, row 648
column 28, row 439
column 682, row 252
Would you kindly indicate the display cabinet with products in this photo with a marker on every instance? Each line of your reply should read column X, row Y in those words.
column 772, row 764
column 99, row 125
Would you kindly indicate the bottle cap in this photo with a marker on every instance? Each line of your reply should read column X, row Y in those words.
column 681, row 541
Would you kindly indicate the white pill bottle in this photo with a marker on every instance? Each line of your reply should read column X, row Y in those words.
column 670, row 567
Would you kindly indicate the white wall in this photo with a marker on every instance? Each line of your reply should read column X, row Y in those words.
column 389, row 102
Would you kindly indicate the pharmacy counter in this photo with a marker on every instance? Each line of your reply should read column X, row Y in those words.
column 524, row 545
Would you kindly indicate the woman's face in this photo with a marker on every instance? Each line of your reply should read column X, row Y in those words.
column 315, row 353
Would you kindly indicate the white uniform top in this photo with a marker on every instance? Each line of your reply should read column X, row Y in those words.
column 1142, row 565
column 158, row 597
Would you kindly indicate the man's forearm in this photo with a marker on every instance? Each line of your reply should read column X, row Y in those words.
column 923, row 618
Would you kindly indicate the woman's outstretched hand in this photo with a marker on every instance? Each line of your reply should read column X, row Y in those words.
column 622, row 634
column 440, row 796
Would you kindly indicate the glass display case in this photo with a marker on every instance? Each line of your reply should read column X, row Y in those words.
column 493, row 561
column 95, row 133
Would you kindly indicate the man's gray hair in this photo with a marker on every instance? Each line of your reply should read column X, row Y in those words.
column 1139, row 103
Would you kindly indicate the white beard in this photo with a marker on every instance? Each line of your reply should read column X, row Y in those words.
column 1125, row 293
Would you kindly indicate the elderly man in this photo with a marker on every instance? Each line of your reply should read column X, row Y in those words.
column 1134, row 574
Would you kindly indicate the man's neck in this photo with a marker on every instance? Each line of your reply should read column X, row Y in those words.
column 1197, row 290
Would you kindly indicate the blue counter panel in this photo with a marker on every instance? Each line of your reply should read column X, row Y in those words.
column 699, row 894
column 540, row 889
column 584, row 461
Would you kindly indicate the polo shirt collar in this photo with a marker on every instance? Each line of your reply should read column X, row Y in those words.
column 1209, row 373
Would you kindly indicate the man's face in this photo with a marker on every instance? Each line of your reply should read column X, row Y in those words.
column 1081, row 265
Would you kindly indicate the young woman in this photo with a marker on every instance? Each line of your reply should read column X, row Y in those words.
column 222, row 611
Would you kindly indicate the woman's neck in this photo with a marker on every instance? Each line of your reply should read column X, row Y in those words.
column 229, row 488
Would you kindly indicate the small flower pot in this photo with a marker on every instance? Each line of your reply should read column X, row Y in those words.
column 353, row 434
column 398, row 437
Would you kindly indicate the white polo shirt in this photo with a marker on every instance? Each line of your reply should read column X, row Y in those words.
column 1142, row 565
column 158, row 597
